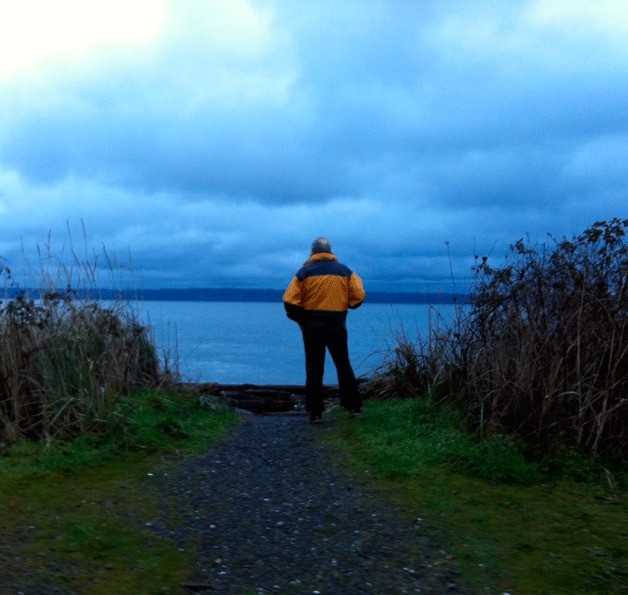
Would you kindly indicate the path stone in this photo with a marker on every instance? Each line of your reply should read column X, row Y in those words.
column 268, row 510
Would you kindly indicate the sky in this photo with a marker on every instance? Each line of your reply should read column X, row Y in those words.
column 206, row 143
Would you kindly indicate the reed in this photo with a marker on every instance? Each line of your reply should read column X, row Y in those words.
column 64, row 356
column 543, row 353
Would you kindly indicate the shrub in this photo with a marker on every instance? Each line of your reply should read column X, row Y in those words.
column 542, row 355
column 546, row 341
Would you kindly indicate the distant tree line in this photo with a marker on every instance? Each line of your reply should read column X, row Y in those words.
column 226, row 294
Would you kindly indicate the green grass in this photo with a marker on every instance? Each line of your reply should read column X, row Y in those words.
column 511, row 526
column 75, row 515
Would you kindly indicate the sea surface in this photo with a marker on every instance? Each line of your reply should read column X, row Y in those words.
column 254, row 342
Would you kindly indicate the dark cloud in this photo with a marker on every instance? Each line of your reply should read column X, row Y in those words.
column 217, row 153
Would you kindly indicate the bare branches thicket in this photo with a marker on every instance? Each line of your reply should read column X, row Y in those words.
column 543, row 352
column 547, row 338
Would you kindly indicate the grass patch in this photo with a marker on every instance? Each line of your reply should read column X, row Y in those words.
column 511, row 526
column 75, row 515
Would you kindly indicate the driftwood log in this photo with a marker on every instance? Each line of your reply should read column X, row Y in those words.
column 267, row 398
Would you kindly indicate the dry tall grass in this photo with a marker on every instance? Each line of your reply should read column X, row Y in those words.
column 62, row 359
column 65, row 356
column 543, row 353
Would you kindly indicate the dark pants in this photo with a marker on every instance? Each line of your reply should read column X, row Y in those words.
column 316, row 340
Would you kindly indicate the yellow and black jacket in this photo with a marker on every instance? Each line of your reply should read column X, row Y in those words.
column 323, row 290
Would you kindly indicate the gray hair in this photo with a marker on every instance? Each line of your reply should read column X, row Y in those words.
column 321, row 245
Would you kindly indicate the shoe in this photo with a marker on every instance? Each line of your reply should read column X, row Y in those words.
column 316, row 419
column 355, row 412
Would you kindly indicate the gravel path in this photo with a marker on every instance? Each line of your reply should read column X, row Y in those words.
column 267, row 511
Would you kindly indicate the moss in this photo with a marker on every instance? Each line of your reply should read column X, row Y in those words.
column 76, row 515
column 87, row 530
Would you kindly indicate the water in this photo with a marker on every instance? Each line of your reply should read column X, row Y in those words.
column 238, row 342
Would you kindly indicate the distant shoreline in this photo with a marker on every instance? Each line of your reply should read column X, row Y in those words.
column 222, row 294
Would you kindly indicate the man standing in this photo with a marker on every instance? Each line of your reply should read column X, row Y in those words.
column 317, row 298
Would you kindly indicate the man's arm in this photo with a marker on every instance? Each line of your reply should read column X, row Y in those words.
column 292, row 300
column 356, row 291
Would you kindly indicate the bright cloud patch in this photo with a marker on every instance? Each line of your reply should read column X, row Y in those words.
column 33, row 32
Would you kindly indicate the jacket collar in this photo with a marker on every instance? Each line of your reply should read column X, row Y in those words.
column 320, row 256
